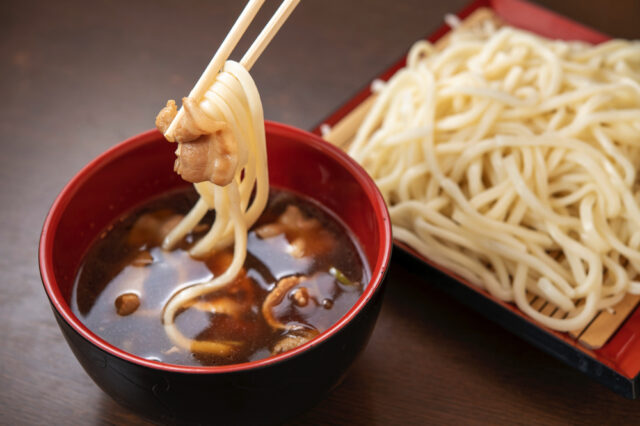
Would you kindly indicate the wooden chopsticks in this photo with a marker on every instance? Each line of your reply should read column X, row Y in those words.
column 268, row 32
column 231, row 40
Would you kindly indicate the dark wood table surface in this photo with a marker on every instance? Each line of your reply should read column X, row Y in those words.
column 77, row 77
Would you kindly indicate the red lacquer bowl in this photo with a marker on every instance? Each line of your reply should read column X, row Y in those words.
column 264, row 391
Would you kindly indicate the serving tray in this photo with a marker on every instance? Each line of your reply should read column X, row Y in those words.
column 608, row 350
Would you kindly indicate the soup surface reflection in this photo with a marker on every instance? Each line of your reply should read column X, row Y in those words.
column 303, row 272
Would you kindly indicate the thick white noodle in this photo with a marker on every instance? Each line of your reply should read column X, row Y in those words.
column 232, row 98
column 511, row 160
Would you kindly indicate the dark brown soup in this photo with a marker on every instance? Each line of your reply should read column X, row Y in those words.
column 300, row 260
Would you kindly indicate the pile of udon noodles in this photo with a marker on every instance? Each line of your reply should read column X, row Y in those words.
column 511, row 159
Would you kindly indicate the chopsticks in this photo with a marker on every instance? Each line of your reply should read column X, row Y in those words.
column 267, row 33
column 231, row 40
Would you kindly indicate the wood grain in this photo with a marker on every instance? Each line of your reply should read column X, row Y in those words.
column 77, row 77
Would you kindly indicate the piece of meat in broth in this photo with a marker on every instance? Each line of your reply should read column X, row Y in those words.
column 305, row 235
column 293, row 339
column 288, row 290
column 151, row 228
column 276, row 296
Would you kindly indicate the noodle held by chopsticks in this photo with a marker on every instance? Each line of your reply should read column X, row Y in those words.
column 234, row 99
column 236, row 185
column 511, row 160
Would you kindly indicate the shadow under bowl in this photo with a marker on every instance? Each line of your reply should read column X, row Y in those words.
column 264, row 391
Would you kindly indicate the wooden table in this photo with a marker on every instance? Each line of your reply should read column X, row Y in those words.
column 78, row 77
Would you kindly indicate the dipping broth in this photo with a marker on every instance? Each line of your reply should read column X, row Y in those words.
column 301, row 261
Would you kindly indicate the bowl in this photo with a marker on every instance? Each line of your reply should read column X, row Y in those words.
column 265, row 391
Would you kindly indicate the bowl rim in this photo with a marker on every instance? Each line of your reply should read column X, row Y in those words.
column 47, row 237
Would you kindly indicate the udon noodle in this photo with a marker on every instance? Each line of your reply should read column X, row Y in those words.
column 511, row 160
column 232, row 99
